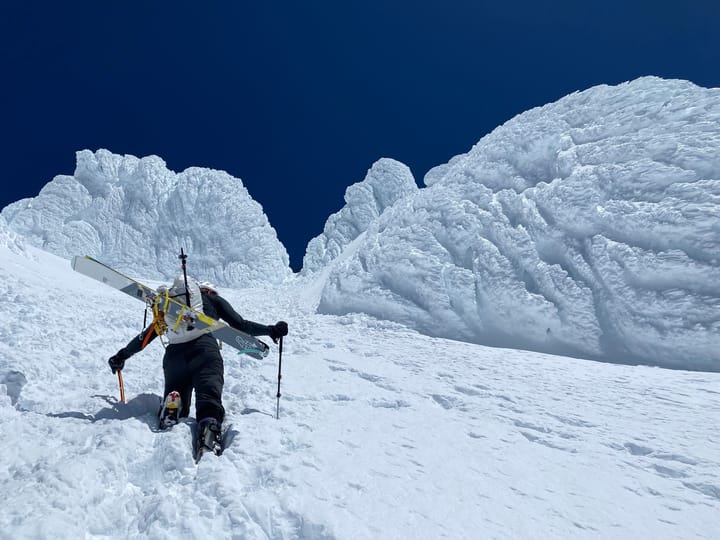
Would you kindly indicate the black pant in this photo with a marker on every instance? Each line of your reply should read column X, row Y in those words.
column 196, row 364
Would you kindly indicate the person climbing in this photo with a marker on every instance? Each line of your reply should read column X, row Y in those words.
column 192, row 358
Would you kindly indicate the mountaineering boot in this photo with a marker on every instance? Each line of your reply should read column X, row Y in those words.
column 171, row 410
column 210, row 436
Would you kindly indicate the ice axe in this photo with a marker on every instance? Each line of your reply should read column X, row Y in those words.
column 122, row 387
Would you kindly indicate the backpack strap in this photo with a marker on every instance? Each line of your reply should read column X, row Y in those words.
column 160, row 305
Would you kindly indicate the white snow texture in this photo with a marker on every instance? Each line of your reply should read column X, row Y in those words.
column 588, row 227
column 383, row 434
column 8, row 238
column 386, row 182
column 135, row 214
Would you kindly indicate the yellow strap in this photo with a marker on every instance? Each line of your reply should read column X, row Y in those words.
column 159, row 314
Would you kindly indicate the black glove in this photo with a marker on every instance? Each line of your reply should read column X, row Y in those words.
column 278, row 330
column 117, row 362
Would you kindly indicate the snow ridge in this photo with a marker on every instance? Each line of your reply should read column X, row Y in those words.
column 587, row 227
column 386, row 182
column 135, row 214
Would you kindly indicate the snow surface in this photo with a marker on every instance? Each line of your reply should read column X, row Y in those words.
column 588, row 227
column 383, row 433
column 135, row 214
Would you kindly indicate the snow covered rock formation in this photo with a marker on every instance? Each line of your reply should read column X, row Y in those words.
column 135, row 214
column 386, row 182
column 588, row 227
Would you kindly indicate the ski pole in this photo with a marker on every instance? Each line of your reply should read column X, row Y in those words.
column 183, row 258
column 277, row 414
column 122, row 387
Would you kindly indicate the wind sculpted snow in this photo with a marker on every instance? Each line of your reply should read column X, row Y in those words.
column 386, row 182
column 8, row 238
column 383, row 433
column 135, row 214
column 588, row 227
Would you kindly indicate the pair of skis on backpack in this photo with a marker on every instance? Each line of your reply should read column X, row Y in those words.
column 208, row 436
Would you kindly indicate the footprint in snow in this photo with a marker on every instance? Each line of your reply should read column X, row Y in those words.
column 446, row 402
column 389, row 404
column 638, row 450
column 14, row 382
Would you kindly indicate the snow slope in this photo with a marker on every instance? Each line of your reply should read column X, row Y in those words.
column 383, row 433
column 135, row 214
column 588, row 227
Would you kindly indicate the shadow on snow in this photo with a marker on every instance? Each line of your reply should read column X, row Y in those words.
column 144, row 407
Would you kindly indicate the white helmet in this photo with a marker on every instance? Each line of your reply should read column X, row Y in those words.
column 207, row 285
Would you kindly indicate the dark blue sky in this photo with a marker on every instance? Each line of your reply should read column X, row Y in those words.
column 299, row 99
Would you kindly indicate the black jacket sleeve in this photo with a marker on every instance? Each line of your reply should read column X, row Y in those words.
column 223, row 310
column 139, row 342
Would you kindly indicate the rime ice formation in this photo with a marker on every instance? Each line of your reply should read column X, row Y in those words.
column 589, row 226
column 135, row 214
column 386, row 182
